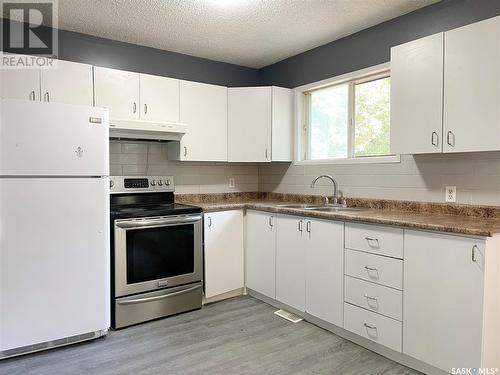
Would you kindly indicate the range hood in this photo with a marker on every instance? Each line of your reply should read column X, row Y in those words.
column 146, row 130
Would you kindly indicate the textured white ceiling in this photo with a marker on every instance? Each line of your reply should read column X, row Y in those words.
column 252, row 33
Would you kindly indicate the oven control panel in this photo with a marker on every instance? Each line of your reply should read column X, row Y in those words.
column 141, row 184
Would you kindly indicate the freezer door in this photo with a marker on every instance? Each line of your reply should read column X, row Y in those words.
column 53, row 139
column 54, row 259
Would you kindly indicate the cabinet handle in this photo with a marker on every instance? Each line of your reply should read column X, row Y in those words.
column 299, row 226
column 432, row 139
column 32, row 95
column 185, row 151
column 134, row 107
column 145, row 109
column 370, row 297
column 473, row 256
column 451, row 136
column 369, row 326
column 46, row 97
column 370, row 240
column 209, row 221
column 266, row 153
column 271, row 221
column 308, row 227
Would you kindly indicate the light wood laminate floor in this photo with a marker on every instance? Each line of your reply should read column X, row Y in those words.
column 236, row 336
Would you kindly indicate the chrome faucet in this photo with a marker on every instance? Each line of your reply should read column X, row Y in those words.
column 335, row 198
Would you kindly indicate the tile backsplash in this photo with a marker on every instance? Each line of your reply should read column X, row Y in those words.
column 142, row 158
column 419, row 177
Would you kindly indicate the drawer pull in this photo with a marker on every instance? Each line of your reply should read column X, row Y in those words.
column 369, row 326
column 372, row 298
column 371, row 269
column 372, row 242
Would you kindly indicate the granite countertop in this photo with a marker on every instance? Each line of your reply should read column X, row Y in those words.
column 470, row 220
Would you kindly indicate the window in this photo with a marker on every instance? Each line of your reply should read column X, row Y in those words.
column 348, row 120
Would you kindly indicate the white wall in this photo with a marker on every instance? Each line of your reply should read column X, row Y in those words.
column 130, row 158
column 419, row 177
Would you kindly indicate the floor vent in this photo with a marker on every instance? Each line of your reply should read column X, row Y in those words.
column 288, row 316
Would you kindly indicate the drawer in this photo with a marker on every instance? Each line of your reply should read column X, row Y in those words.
column 375, row 327
column 374, row 239
column 376, row 268
column 374, row 297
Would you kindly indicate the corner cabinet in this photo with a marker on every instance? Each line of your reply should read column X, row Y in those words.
column 260, row 262
column 445, row 91
column 203, row 108
column 50, row 85
column 260, row 124
column 223, row 252
column 450, row 301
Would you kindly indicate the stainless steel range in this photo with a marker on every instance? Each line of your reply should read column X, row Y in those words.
column 156, row 248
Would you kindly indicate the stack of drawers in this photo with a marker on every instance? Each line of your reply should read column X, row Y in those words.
column 373, row 283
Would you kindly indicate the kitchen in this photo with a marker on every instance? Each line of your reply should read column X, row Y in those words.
column 324, row 200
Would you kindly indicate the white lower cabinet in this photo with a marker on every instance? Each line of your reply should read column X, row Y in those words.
column 443, row 299
column 223, row 252
column 260, row 261
column 309, row 266
column 324, row 265
column 290, row 262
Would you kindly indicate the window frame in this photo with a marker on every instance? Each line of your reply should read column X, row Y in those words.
column 302, row 109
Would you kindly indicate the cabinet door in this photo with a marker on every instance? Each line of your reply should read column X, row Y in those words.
column 472, row 87
column 260, row 259
column 417, row 96
column 20, row 83
column 443, row 299
column 159, row 98
column 69, row 83
column 249, row 124
column 282, row 124
column 290, row 261
column 117, row 90
column 223, row 252
column 204, row 110
column 325, row 270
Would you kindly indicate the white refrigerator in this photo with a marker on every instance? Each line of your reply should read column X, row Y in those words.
column 54, row 225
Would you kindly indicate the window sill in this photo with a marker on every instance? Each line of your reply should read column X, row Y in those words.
column 360, row 160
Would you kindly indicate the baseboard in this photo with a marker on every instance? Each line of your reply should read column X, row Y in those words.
column 223, row 296
column 359, row 340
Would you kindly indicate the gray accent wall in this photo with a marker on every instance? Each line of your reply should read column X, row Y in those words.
column 372, row 46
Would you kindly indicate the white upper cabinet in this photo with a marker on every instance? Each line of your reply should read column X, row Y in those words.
column 203, row 108
column 256, row 117
column 260, row 262
column 159, row 98
column 443, row 299
column 20, row 83
column 417, row 96
column 117, row 90
column 69, row 83
column 472, row 87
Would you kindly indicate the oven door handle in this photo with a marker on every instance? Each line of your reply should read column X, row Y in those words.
column 155, row 298
column 136, row 224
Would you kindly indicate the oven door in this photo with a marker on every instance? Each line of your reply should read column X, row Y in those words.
column 158, row 252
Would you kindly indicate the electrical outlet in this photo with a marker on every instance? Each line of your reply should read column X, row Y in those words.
column 231, row 182
column 451, row 194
